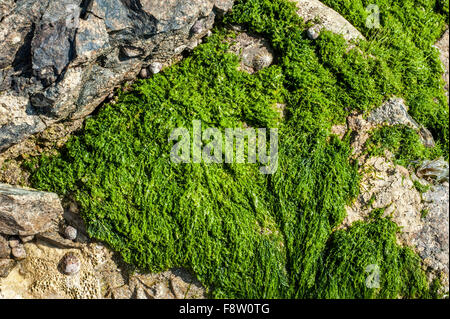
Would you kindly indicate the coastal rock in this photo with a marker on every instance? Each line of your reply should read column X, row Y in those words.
column 27, row 212
column 327, row 18
column 60, row 59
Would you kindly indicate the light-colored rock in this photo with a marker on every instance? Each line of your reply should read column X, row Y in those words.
column 19, row 252
column 386, row 186
column 432, row 241
column 155, row 67
column 443, row 45
column 313, row 10
column 101, row 275
column 423, row 218
column 70, row 233
column 26, row 239
column 27, row 212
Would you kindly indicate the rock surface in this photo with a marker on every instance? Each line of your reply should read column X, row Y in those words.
column 27, row 212
column 101, row 275
column 443, row 47
column 423, row 218
column 328, row 19
column 59, row 59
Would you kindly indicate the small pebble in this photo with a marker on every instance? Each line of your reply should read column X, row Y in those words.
column 70, row 232
column 144, row 73
column 19, row 252
column 13, row 243
column 155, row 67
column 71, row 264
column 312, row 33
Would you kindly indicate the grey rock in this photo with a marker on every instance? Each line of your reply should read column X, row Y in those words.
column 436, row 170
column 70, row 233
column 223, row 6
column 60, row 59
column 328, row 19
column 13, row 243
column 5, row 250
column 19, row 252
column 197, row 28
column 313, row 32
column 395, row 112
column 432, row 241
column 27, row 212
column 71, row 264
column 155, row 67
column 6, row 265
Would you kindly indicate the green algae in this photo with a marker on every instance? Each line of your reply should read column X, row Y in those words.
column 244, row 234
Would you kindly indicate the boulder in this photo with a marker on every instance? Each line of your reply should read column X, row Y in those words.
column 59, row 59
column 27, row 212
column 325, row 18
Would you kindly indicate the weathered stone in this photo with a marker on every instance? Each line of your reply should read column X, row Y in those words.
column 13, row 243
column 71, row 264
column 6, row 265
column 432, row 240
column 395, row 112
column 314, row 10
column 155, row 67
column 60, row 59
column 443, row 47
column 70, row 233
column 19, row 252
column 223, row 6
column 27, row 212
column 436, row 170
column 5, row 250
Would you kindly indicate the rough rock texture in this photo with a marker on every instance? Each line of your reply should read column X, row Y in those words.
column 101, row 275
column 27, row 212
column 60, row 59
column 395, row 112
column 328, row 19
column 386, row 185
column 442, row 46
column 432, row 241
column 424, row 218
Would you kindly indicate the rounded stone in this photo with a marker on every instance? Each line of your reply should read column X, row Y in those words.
column 70, row 232
column 71, row 264
column 19, row 252
column 155, row 67
column 144, row 73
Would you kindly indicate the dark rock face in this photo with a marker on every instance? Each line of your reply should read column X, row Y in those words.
column 59, row 59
